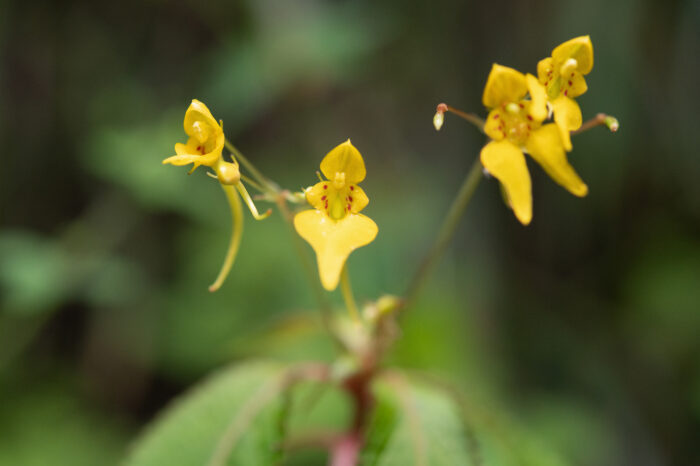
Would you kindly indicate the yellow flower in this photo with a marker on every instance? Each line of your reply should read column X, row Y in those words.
column 334, row 228
column 515, row 126
column 204, row 147
column 206, row 139
column 562, row 75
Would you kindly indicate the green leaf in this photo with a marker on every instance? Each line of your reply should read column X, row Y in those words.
column 423, row 424
column 235, row 418
column 414, row 424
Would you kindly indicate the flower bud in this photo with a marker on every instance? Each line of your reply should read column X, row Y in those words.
column 228, row 173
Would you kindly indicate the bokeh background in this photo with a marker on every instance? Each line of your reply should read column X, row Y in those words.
column 582, row 330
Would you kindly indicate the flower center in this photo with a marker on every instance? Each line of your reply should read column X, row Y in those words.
column 515, row 123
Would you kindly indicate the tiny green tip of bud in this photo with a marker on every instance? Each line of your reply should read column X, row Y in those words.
column 612, row 123
column 438, row 120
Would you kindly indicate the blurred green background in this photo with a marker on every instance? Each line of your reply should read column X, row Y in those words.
column 582, row 329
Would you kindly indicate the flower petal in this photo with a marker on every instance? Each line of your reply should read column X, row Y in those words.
column 503, row 85
column 333, row 241
column 567, row 116
column 317, row 196
column 545, row 146
column 538, row 94
column 199, row 122
column 344, row 158
column 359, row 199
column 580, row 49
column 506, row 162
column 494, row 125
column 544, row 67
column 576, row 85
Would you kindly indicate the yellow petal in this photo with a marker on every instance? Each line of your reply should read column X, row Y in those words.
column 199, row 122
column 576, row 85
column 503, row 85
column 358, row 199
column 316, row 195
column 544, row 66
column 344, row 158
column 538, row 94
column 333, row 241
column 580, row 49
column 494, row 125
column 545, row 146
column 567, row 116
column 506, row 162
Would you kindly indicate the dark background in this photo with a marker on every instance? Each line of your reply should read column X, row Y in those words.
column 581, row 329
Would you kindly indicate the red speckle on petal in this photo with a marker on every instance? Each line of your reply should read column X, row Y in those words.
column 326, row 204
column 350, row 198
column 566, row 92
column 521, row 105
column 529, row 117
column 348, row 206
column 570, row 83
column 351, row 188
column 323, row 198
column 496, row 116
column 325, row 186
column 572, row 74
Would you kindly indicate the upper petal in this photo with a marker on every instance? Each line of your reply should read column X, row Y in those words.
column 504, row 85
column 333, row 241
column 538, row 94
column 506, row 162
column 199, row 122
column 344, row 158
column 567, row 116
column 545, row 146
column 580, row 49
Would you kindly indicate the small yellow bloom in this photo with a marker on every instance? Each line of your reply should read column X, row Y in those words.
column 562, row 75
column 206, row 139
column 515, row 126
column 335, row 228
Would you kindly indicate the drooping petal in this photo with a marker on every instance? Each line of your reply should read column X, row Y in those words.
column 538, row 96
column 545, row 146
column 567, row 116
column 358, row 199
column 333, row 241
column 504, row 85
column 506, row 162
column 199, row 122
column 580, row 49
column 344, row 158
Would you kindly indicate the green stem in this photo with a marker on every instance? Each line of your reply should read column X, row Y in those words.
column 346, row 289
column 264, row 182
column 237, row 218
column 449, row 225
